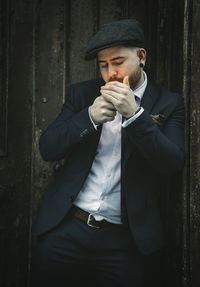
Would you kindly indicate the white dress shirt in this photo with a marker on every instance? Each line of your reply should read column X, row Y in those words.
column 101, row 192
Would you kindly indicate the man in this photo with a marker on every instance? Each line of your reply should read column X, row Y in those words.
column 119, row 136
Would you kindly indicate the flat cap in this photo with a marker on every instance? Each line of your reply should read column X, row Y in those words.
column 127, row 31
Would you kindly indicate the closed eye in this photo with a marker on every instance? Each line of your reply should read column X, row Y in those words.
column 118, row 63
column 103, row 66
column 114, row 64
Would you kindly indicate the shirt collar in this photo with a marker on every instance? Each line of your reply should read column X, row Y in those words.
column 139, row 92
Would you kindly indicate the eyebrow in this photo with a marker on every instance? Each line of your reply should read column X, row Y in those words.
column 113, row 59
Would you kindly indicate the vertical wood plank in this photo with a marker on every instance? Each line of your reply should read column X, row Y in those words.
column 109, row 11
column 195, row 149
column 4, row 36
column 48, row 86
column 83, row 24
column 186, row 175
column 14, row 167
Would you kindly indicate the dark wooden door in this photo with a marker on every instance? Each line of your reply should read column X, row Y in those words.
column 42, row 45
column 15, row 140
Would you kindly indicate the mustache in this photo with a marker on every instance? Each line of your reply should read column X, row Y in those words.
column 115, row 79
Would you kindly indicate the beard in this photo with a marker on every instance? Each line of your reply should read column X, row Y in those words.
column 134, row 79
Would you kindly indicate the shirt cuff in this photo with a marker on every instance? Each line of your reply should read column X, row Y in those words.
column 133, row 118
column 95, row 126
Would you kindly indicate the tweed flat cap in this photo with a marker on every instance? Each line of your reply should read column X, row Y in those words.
column 127, row 31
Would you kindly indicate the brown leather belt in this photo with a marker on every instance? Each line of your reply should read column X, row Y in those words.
column 89, row 218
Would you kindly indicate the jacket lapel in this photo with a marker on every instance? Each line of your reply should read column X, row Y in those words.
column 149, row 99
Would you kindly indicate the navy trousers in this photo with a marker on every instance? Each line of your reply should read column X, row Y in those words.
column 74, row 254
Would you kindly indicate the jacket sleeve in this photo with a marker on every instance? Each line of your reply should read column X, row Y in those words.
column 71, row 127
column 163, row 148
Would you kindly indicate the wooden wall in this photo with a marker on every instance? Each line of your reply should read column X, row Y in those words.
column 42, row 45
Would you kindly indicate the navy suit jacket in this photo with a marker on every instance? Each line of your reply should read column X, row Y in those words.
column 152, row 150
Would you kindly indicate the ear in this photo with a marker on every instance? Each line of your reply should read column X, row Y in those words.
column 141, row 53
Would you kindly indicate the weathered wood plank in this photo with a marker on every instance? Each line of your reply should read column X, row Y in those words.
column 83, row 24
column 48, row 84
column 186, row 176
column 195, row 149
column 4, row 23
column 109, row 11
column 15, row 167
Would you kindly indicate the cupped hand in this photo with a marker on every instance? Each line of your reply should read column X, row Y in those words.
column 121, row 97
column 102, row 111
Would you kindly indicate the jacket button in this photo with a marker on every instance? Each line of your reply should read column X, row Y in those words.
column 72, row 197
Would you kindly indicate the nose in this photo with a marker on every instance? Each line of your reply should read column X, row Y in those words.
column 112, row 72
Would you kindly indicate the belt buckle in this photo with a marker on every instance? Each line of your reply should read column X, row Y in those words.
column 88, row 221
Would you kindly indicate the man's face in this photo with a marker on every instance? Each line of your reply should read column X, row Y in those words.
column 117, row 62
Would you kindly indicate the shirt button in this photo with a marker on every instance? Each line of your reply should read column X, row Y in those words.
column 116, row 153
column 108, row 175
